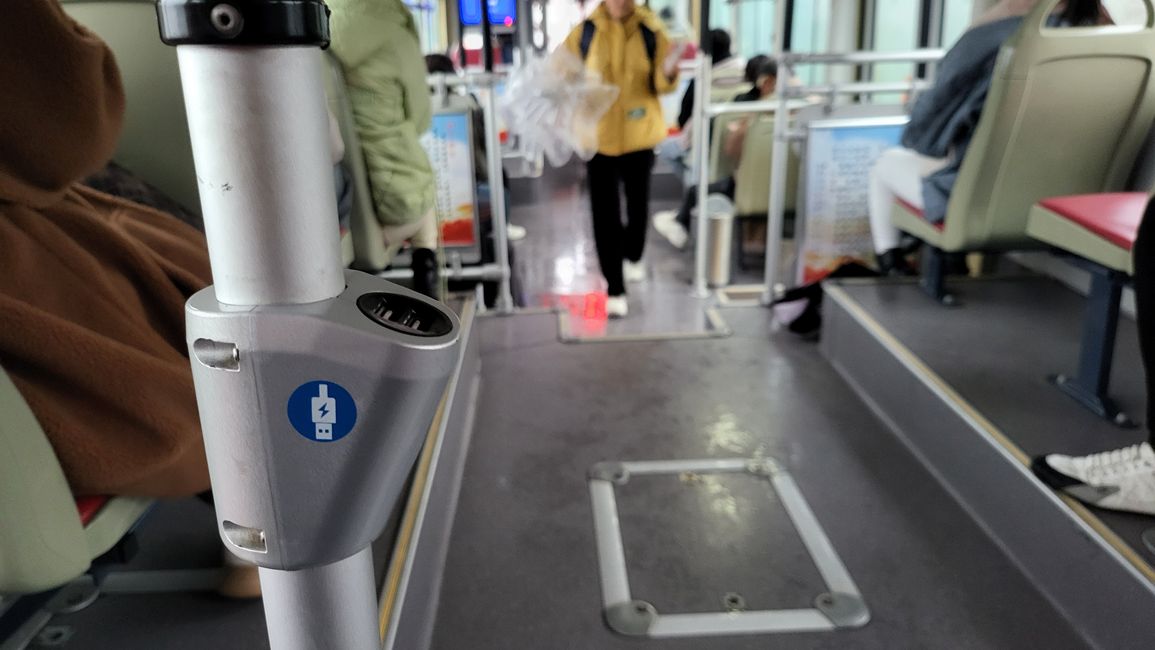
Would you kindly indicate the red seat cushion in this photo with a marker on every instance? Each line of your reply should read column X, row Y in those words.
column 1114, row 216
column 89, row 506
column 917, row 211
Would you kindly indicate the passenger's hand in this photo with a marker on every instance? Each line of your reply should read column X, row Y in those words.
column 670, row 65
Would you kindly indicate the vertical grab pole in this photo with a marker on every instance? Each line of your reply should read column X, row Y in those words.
column 257, row 117
column 778, row 163
column 701, row 124
column 497, row 199
column 496, row 173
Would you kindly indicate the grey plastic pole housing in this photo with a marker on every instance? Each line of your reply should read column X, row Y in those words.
column 289, row 496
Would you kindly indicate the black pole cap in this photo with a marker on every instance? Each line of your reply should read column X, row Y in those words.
column 243, row 22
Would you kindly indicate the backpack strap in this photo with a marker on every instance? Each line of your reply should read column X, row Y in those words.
column 588, row 31
column 651, row 41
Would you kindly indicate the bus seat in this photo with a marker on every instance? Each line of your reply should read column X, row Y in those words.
column 752, row 178
column 1098, row 231
column 154, row 143
column 1067, row 113
column 721, row 165
column 48, row 537
column 362, row 246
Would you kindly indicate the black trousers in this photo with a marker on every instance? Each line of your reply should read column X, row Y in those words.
column 616, row 241
column 726, row 187
column 1144, row 255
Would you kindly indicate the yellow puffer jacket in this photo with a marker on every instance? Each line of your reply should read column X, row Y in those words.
column 618, row 53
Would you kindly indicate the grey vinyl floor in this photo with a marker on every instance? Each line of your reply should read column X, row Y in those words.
column 522, row 568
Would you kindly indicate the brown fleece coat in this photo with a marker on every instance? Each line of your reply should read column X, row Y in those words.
column 92, row 288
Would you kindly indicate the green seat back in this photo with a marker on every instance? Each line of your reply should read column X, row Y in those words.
column 154, row 144
column 1067, row 113
column 721, row 165
column 752, row 179
column 42, row 543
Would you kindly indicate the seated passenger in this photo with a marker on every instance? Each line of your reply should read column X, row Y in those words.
column 753, row 68
column 1120, row 479
column 377, row 45
column 943, row 119
column 92, row 288
column 675, row 227
column 727, row 71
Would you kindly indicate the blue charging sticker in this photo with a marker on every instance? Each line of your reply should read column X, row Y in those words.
column 322, row 411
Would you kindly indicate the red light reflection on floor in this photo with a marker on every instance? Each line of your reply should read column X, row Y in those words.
column 587, row 311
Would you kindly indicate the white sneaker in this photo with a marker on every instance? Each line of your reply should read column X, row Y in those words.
column 515, row 233
column 617, row 307
column 666, row 223
column 634, row 271
column 1120, row 479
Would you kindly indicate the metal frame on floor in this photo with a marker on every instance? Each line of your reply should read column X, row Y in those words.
column 841, row 606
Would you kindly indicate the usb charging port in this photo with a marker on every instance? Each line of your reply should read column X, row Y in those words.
column 405, row 314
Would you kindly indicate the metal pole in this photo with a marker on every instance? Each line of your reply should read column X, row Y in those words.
column 524, row 27
column 330, row 606
column 922, row 55
column 497, row 201
column 257, row 117
column 701, row 144
column 486, row 37
column 777, row 166
column 496, row 173
column 701, row 124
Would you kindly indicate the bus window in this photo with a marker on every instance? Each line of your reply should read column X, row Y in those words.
column 956, row 17
column 810, row 32
column 1126, row 12
column 895, row 29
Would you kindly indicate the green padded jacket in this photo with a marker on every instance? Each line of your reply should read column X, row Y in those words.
column 376, row 42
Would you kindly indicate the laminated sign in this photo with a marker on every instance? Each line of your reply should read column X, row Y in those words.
column 839, row 155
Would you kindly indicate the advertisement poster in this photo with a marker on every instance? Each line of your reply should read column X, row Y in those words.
column 451, row 156
column 839, row 155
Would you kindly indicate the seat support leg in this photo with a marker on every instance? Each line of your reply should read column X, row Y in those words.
column 932, row 275
column 1097, row 348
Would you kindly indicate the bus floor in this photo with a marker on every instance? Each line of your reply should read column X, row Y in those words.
column 522, row 568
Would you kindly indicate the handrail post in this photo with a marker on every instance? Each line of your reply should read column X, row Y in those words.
column 701, row 124
column 778, row 164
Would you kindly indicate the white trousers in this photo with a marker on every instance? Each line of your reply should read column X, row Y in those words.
column 897, row 173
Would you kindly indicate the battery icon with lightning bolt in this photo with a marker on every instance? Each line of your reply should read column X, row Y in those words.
column 324, row 413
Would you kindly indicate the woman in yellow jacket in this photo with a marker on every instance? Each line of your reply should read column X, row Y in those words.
column 627, row 45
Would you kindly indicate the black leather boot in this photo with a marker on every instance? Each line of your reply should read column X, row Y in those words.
column 893, row 263
column 425, row 272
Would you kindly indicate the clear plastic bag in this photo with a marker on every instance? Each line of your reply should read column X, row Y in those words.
column 554, row 104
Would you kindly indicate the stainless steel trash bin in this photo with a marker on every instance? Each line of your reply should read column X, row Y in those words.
column 720, row 237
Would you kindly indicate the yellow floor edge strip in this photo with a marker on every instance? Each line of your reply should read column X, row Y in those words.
column 408, row 522
column 900, row 350
column 405, row 530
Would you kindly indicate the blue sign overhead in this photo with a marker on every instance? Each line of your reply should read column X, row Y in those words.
column 322, row 411
column 501, row 12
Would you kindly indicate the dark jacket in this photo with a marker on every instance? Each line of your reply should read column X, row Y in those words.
column 944, row 118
